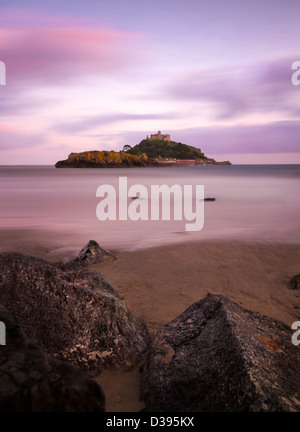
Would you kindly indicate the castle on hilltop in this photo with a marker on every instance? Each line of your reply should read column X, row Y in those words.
column 160, row 136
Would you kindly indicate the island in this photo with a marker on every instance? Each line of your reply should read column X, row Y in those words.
column 157, row 150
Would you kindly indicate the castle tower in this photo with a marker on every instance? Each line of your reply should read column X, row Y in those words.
column 160, row 136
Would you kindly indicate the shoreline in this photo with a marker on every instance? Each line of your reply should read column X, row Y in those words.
column 215, row 266
column 160, row 282
column 61, row 245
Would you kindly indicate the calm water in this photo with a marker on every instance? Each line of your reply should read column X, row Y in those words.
column 253, row 202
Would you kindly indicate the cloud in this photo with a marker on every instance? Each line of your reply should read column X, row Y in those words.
column 55, row 51
column 94, row 121
column 275, row 137
column 260, row 88
column 11, row 139
column 16, row 100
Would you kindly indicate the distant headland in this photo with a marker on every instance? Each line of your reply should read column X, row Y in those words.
column 156, row 150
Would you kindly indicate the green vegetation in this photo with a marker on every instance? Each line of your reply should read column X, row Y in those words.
column 163, row 149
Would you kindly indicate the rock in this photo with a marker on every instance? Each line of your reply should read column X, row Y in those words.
column 217, row 356
column 294, row 283
column 92, row 253
column 32, row 381
column 73, row 313
column 223, row 163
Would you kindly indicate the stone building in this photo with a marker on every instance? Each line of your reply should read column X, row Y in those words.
column 160, row 136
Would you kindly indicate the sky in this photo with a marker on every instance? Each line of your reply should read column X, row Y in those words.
column 101, row 74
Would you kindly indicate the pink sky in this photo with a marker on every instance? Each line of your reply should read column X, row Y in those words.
column 102, row 78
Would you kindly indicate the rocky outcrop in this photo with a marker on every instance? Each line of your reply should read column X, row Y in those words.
column 217, row 356
column 294, row 282
column 73, row 313
column 103, row 159
column 92, row 253
column 32, row 381
column 223, row 163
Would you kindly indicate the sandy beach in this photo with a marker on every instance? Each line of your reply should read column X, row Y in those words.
column 160, row 283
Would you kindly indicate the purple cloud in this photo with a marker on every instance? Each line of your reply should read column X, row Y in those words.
column 91, row 122
column 11, row 139
column 276, row 137
column 262, row 88
column 64, row 50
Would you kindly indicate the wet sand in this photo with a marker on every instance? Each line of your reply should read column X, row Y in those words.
column 160, row 283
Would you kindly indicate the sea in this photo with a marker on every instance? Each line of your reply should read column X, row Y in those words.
column 251, row 203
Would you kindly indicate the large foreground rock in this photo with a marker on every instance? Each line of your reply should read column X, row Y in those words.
column 217, row 356
column 72, row 313
column 31, row 380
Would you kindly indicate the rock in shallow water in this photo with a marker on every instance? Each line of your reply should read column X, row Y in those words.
column 217, row 356
column 32, row 381
column 73, row 313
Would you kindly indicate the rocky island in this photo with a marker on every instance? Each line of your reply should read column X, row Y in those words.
column 158, row 150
